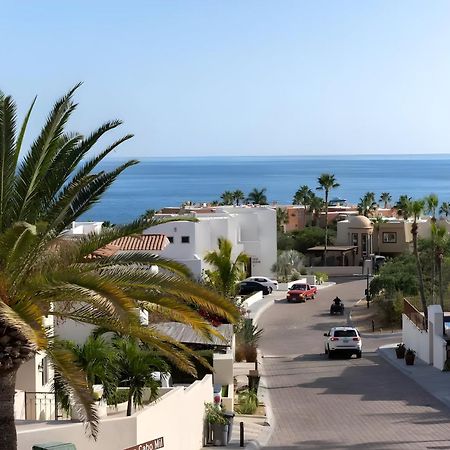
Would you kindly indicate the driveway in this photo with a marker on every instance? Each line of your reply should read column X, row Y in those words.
column 342, row 403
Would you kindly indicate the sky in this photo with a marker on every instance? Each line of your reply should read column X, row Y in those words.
column 229, row 77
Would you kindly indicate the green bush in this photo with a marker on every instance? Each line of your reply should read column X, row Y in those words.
column 321, row 277
column 248, row 402
column 392, row 308
column 119, row 396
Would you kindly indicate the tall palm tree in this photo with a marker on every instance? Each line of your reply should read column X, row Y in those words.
column 415, row 209
column 377, row 221
column 316, row 205
column 302, row 196
column 385, row 197
column 258, row 196
column 41, row 193
column 238, row 196
column 227, row 198
column 444, row 209
column 282, row 218
column 431, row 205
column 440, row 239
column 225, row 272
column 327, row 181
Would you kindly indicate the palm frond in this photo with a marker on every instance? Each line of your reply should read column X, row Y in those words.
column 35, row 165
column 74, row 382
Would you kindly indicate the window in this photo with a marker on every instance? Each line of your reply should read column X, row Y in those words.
column 170, row 238
column 389, row 238
column 44, row 368
column 185, row 239
column 345, row 333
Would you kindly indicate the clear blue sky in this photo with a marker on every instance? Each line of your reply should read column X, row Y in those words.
column 240, row 77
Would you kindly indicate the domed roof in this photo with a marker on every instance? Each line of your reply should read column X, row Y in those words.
column 359, row 222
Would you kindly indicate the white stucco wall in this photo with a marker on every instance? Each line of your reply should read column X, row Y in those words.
column 177, row 417
column 251, row 230
column 415, row 339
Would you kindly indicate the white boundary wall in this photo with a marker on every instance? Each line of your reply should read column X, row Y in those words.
column 430, row 346
column 177, row 417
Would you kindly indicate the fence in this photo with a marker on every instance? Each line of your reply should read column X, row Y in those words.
column 43, row 406
column 414, row 315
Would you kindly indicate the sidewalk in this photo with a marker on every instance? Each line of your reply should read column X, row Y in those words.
column 434, row 381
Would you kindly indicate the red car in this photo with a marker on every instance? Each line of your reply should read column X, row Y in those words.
column 300, row 292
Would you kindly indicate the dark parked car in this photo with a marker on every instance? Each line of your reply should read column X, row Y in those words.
column 247, row 287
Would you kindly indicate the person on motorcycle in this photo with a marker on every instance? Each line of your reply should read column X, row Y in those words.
column 337, row 301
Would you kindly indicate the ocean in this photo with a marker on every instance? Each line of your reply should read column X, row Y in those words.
column 158, row 182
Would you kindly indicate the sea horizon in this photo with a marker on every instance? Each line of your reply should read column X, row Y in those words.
column 158, row 182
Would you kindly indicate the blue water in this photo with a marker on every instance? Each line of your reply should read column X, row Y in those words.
column 158, row 182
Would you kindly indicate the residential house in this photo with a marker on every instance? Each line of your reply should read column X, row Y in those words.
column 250, row 229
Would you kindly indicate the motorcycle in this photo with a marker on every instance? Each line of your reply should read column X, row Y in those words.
column 337, row 308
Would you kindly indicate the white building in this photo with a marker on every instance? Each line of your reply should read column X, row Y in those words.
column 251, row 230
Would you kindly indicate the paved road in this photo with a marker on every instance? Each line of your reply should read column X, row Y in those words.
column 341, row 403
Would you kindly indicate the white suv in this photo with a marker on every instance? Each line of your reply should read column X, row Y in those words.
column 265, row 281
column 343, row 340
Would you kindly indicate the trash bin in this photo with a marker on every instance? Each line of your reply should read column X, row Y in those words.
column 54, row 446
column 229, row 415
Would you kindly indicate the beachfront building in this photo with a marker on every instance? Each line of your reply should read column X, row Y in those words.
column 251, row 229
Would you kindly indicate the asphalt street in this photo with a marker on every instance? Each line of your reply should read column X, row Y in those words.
column 342, row 403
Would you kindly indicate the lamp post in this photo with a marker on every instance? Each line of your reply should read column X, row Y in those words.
column 367, row 288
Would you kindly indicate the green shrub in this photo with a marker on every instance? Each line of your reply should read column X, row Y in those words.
column 119, row 396
column 321, row 277
column 303, row 271
column 391, row 308
column 248, row 402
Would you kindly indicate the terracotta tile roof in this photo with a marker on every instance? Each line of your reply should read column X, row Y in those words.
column 145, row 242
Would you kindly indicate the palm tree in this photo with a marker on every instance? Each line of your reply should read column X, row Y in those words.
column 258, row 197
column 444, row 209
column 135, row 366
column 385, row 197
column 326, row 182
column 302, row 196
column 316, row 205
column 238, row 196
column 367, row 204
column 227, row 198
column 415, row 209
column 431, row 205
column 226, row 272
column 282, row 218
column 41, row 193
column 377, row 221
column 440, row 239
column 403, row 206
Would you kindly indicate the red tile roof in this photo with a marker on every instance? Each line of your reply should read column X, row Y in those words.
column 145, row 242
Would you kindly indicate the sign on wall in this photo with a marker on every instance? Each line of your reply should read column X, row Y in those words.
column 149, row 445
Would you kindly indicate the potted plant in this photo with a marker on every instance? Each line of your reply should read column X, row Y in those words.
column 217, row 425
column 400, row 350
column 410, row 355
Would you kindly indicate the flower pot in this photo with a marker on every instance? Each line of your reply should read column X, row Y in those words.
column 219, row 434
column 400, row 352
column 409, row 359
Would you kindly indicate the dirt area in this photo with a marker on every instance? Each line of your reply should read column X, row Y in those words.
column 362, row 318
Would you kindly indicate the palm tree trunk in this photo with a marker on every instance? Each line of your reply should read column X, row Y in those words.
column 420, row 275
column 326, row 229
column 441, row 287
column 130, row 402
column 8, row 436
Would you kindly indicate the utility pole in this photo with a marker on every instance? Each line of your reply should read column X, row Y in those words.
column 367, row 288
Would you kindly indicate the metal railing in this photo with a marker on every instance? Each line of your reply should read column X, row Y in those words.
column 43, row 406
column 414, row 315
